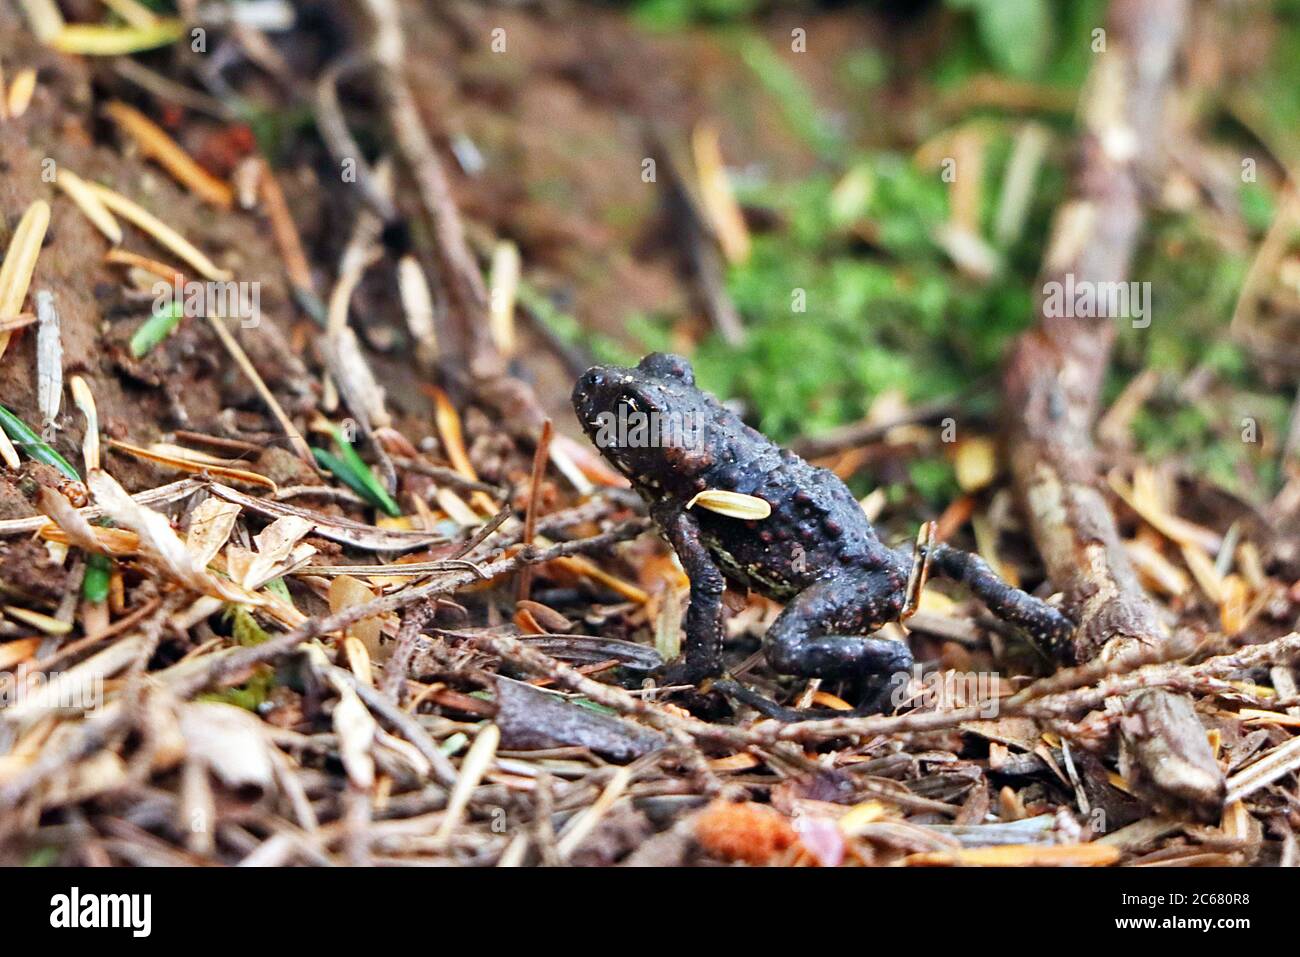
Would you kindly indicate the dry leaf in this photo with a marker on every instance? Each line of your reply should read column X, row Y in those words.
column 447, row 419
column 582, row 566
column 70, row 521
column 81, row 687
column 477, row 760
column 159, row 542
column 85, row 402
column 210, row 527
column 1143, row 499
column 456, row 509
column 347, row 592
column 229, row 740
column 503, row 284
column 13, row 653
column 275, row 544
column 741, row 761
column 716, row 196
column 975, row 463
column 358, row 660
column 357, row 731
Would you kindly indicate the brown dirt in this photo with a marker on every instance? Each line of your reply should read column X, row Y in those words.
column 60, row 126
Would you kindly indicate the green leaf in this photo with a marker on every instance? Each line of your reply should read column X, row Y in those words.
column 794, row 99
column 593, row 706
column 1257, row 206
column 934, row 480
column 31, row 443
column 95, row 39
column 453, row 745
column 253, row 693
column 94, row 586
column 42, row 857
column 156, row 328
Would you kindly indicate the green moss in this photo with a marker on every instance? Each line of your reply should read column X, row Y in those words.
column 833, row 322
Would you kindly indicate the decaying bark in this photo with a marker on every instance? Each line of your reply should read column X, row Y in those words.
column 1051, row 388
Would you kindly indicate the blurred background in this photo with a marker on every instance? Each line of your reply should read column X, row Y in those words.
column 813, row 251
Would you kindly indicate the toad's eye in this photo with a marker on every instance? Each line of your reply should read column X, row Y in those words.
column 631, row 402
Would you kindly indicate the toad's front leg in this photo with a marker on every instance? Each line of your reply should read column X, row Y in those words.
column 704, row 618
column 824, row 631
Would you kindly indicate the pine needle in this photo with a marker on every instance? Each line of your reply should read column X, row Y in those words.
column 44, row 18
column 236, row 351
column 20, row 262
column 194, row 467
column 21, row 89
column 93, row 39
column 88, row 201
column 163, row 234
column 85, row 402
column 154, row 143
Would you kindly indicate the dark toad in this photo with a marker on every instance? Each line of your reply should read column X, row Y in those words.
column 816, row 552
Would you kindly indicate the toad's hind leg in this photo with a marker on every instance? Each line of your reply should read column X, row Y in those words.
column 824, row 630
column 1049, row 628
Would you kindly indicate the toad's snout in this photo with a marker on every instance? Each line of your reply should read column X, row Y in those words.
column 589, row 387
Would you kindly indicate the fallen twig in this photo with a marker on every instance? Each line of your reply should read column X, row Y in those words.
column 1051, row 387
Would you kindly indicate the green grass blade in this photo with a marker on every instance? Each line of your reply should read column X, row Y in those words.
column 31, row 443
column 361, row 481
